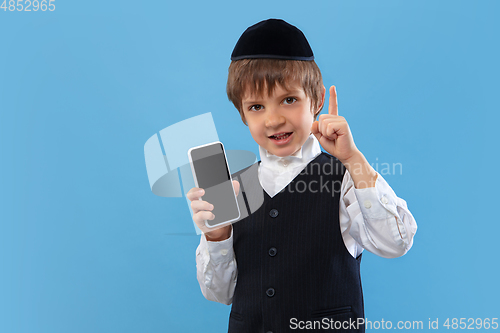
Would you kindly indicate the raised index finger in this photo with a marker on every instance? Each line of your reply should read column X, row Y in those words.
column 332, row 106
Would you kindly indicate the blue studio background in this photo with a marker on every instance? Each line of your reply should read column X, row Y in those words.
column 85, row 246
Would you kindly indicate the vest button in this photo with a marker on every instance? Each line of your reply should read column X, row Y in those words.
column 273, row 212
column 270, row 292
column 273, row 251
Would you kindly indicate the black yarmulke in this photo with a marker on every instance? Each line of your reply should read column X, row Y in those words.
column 274, row 39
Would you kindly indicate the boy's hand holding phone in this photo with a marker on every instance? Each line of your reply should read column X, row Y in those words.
column 202, row 211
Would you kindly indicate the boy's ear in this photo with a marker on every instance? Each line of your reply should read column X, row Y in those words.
column 243, row 118
column 320, row 106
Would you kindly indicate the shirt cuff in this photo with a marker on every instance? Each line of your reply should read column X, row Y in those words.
column 219, row 252
column 380, row 202
column 376, row 202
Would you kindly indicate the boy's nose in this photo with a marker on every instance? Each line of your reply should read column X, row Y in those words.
column 274, row 119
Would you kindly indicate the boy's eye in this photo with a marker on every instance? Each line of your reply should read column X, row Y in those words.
column 256, row 107
column 289, row 100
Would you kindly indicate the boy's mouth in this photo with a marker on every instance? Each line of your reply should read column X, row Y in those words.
column 280, row 136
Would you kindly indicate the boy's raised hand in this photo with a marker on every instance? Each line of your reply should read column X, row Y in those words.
column 202, row 211
column 333, row 133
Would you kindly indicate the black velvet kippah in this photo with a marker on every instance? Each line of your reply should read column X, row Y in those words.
column 274, row 39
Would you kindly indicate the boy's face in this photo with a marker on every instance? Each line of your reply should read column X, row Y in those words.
column 285, row 112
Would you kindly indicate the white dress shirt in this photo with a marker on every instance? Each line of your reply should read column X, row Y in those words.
column 371, row 218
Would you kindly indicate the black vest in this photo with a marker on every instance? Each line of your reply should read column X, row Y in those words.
column 293, row 267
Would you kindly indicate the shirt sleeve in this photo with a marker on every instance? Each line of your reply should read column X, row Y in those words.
column 216, row 269
column 375, row 219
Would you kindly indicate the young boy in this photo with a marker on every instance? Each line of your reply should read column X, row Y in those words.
column 294, row 262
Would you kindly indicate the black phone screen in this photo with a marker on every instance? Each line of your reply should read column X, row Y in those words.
column 212, row 175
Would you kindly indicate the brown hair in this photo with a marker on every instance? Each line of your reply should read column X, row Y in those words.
column 254, row 75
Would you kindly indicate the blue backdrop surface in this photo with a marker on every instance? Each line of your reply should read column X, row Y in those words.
column 85, row 246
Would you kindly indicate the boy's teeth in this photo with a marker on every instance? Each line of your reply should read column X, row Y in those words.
column 280, row 136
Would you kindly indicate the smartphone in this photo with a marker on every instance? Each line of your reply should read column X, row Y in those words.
column 211, row 173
